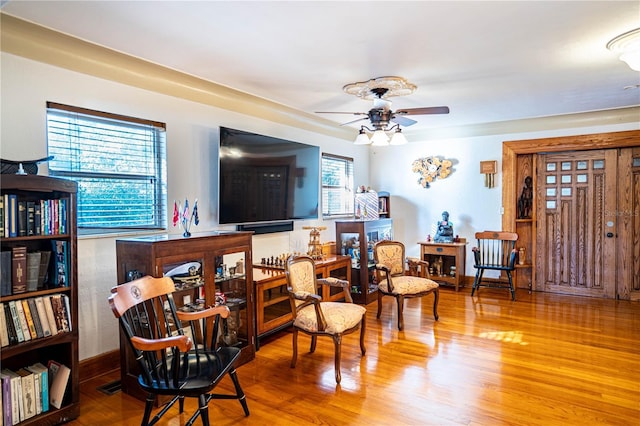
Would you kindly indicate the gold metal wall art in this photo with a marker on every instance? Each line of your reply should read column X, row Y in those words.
column 430, row 169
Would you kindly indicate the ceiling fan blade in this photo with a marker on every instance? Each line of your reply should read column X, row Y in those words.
column 403, row 121
column 354, row 121
column 341, row 112
column 424, row 111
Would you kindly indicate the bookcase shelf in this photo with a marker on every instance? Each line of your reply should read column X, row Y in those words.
column 63, row 346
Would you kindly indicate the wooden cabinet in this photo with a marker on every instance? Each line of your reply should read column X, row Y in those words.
column 213, row 257
column 448, row 256
column 273, row 310
column 355, row 238
column 63, row 346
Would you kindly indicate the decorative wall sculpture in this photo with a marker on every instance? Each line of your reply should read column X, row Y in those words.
column 430, row 169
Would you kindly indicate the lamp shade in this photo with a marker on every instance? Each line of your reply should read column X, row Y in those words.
column 398, row 138
column 379, row 138
column 362, row 138
column 627, row 45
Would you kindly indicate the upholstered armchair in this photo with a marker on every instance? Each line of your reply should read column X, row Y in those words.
column 392, row 281
column 315, row 317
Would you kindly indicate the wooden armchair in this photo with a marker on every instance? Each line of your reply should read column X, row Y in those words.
column 392, row 280
column 178, row 352
column 496, row 251
column 316, row 318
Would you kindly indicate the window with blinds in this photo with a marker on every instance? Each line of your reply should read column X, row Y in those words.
column 337, row 185
column 118, row 162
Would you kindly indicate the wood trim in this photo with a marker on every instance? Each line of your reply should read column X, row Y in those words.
column 99, row 365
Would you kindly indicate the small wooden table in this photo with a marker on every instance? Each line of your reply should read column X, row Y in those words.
column 452, row 254
column 273, row 310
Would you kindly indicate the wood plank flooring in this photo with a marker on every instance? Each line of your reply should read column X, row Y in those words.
column 542, row 360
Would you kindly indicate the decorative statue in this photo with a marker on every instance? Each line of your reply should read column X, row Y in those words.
column 444, row 233
column 526, row 199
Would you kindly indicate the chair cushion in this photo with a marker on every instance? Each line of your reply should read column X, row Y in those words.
column 338, row 315
column 408, row 285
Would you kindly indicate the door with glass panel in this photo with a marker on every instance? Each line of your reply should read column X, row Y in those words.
column 576, row 232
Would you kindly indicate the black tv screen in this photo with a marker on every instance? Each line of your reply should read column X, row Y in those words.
column 265, row 179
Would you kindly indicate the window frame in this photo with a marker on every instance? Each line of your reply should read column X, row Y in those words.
column 154, row 216
column 348, row 189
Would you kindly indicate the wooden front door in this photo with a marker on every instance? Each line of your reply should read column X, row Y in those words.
column 576, row 241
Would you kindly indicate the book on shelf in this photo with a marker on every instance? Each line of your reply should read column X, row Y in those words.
column 22, row 320
column 12, row 214
column 28, row 393
column 43, row 372
column 17, row 404
column 11, row 328
column 2, row 227
column 51, row 316
column 22, row 218
column 59, row 378
column 60, row 268
column 5, row 273
column 18, row 269
column 42, row 315
column 7, row 406
column 13, row 310
column 4, row 329
column 33, row 270
column 31, row 218
column 37, row 216
column 45, row 258
column 31, row 326
column 60, row 312
column 33, row 310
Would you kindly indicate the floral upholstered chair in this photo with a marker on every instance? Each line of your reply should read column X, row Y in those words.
column 392, row 281
column 317, row 318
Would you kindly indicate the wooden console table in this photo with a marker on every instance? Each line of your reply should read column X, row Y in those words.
column 453, row 254
column 273, row 311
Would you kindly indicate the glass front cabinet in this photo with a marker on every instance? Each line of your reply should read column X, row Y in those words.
column 356, row 238
column 207, row 269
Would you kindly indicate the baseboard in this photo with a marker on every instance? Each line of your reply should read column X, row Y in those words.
column 99, row 365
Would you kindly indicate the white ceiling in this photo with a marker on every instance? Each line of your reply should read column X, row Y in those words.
column 487, row 61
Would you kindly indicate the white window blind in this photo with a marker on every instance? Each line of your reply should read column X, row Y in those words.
column 337, row 185
column 118, row 162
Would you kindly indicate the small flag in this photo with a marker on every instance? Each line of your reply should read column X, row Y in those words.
column 176, row 213
column 196, row 219
column 185, row 213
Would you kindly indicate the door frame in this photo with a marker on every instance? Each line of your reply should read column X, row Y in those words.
column 512, row 149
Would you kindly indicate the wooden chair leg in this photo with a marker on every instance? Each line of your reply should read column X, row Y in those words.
column 203, row 412
column 511, row 287
column 314, row 341
column 148, row 407
column 379, row 304
column 239, row 392
column 400, row 302
column 294, row 357
column 363, row 326
column 436, row 298
column 337, row 343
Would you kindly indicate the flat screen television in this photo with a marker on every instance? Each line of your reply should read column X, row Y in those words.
column 266, row 179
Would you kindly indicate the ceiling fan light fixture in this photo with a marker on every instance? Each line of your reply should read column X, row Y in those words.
column 627, row 45
column 398, row 138
column 379, row 138
column 362, row 138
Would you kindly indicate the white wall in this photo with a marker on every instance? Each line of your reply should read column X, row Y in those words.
column 192, row 138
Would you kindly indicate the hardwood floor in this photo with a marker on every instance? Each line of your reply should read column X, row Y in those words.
column 542, row 360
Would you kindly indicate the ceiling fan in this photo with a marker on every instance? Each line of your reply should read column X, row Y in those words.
column 381, row 115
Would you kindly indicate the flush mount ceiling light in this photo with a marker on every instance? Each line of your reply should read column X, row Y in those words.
column 628, row 46
column 381, row 131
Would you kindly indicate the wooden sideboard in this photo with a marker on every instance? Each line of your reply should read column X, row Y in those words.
column 452, row 254
column 273, row 310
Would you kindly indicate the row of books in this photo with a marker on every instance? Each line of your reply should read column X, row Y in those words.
column 34, row 318
column 32, row 390
column 23, row 271
column 22, row 218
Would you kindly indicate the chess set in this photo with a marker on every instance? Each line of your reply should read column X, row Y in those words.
column 275, row 262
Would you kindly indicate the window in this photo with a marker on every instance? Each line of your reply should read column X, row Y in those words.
column 118, row 162
column 337, row 185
